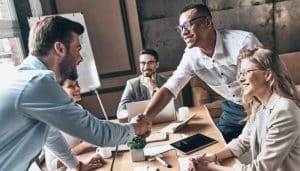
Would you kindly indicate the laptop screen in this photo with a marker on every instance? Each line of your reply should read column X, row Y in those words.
column 166, row 115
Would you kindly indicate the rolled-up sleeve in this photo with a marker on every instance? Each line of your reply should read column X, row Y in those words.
column 180, row 77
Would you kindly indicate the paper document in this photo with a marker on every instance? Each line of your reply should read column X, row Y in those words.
column 170, row 128
column 145, row 168
column 153, row 151
column 173, row 127
column 183, row 163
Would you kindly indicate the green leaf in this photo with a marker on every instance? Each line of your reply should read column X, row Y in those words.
column 137, row 143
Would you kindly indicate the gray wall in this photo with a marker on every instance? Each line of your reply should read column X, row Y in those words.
column 274, row 22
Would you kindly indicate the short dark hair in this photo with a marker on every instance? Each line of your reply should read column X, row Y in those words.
column 150, row 52
column 202, row 9
column 71, row 76
column 47, row 31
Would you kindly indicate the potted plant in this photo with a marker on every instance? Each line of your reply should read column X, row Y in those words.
column 136, row 146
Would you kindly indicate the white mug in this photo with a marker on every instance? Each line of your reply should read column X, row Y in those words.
column 183, row 113
column 105, row 152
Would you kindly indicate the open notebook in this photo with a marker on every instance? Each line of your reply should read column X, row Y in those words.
column 166, row 115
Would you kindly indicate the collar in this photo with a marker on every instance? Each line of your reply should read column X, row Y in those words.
column 219, row 47
column 272, row 101
column 35, row 62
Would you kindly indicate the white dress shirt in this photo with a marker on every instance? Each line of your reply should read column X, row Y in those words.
column 218, row 71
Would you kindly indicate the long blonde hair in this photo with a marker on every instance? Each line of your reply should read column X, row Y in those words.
column 280, row 83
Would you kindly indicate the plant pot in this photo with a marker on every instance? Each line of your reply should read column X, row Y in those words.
column 137, row 155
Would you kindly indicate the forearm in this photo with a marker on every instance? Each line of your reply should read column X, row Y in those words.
column 158, row 102
column 223, row 154
column 82, row 147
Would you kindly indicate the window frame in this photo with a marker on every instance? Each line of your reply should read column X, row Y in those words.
column 9, row 28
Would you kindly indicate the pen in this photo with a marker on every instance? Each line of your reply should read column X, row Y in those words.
column 167, row 165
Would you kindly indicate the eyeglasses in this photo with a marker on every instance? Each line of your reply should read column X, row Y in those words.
column 188, row 24
column 148, row 63
column 245, row 73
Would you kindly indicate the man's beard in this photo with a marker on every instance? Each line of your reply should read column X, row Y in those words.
column 66, row 68
column 148, row 73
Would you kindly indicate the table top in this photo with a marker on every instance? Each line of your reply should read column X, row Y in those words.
column 201, row 123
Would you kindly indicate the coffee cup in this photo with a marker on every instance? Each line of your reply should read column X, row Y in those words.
column 183, row 113
column 105, row 152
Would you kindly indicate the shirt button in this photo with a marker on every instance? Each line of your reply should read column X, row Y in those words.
column 233, row 95
column 222, row 73
column 213, row 60
column 229, row 86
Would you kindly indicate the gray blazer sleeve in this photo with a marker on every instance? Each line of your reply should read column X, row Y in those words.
column 127, row 96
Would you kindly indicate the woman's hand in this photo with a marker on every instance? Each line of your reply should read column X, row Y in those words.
column 200, row 165
column 201, row 162
column 204, row 157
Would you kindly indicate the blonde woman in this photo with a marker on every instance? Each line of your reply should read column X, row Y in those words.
column 272, row 132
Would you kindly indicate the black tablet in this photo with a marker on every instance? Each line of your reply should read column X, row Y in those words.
column 193, row 143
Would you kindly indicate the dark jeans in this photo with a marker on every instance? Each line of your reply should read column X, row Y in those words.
column 230, row 123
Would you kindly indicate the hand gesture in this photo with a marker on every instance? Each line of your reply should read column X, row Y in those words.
column 142, row 125
column 199, row 166
column 202, row 162
column 96, row 161
column 204, row 157
column 149, row 82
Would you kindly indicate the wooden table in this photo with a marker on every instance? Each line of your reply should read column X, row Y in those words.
column 202, row 123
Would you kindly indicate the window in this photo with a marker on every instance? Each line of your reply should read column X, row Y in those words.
column 11, row 47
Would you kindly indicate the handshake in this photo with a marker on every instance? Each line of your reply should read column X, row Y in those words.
column 142, row 125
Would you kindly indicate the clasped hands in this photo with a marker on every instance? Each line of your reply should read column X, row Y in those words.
column 142, row 125
column 150, row 83
column 202, row 162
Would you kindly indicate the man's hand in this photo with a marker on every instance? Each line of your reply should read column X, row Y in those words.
column 142, row 125
column 96, row 161
column 149, row 82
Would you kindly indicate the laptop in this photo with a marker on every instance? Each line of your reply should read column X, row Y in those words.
column 166, row 115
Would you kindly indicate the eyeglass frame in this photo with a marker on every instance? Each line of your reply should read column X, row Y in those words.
column 148, row 63
column 245, row 73
column 188, row 24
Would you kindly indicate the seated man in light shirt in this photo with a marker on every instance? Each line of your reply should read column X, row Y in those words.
column 144, row 86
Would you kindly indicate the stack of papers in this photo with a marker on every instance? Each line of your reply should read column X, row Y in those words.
column 153, row 151
column 184, row 163
column 173, row 127
column 145, row 168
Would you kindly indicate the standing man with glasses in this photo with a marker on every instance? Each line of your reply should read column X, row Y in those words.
column 142, row 87
column 212, row 56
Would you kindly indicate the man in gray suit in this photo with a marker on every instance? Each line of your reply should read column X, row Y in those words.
column 144, row 86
